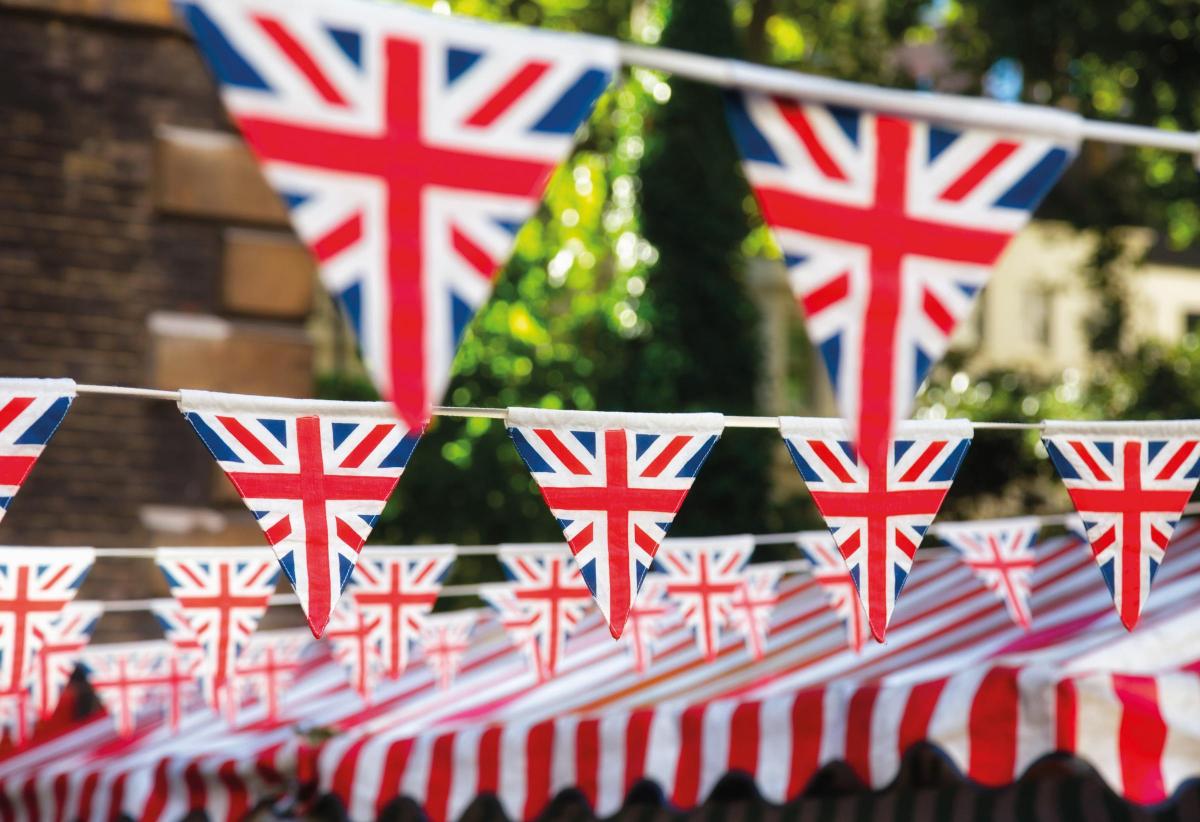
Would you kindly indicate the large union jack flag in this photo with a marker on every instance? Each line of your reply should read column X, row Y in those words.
column 30, row 412
column 831, row 574
column 223, row 593
column 393, row 589
column 614, row 482
column 543, row 602
column 61, row 645
column 316, row 475
column 409, row 147
column 1000, row 553
column 889, row 228
column 445, row 639
column 1130, row 483
column 878, row 515
column 136, row 681
column 703, row 578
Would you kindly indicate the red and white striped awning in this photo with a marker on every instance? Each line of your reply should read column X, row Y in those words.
column 955, row 672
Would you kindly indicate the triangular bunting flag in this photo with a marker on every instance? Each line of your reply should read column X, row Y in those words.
column 138, row 680
column 174, row 623
column 393, row 589
column 30, row 412
column 831, row 574
column 703, row 577
column 409, row 148
column 650, row 611
column 615, row 483
column 354, row 641
column 269, row 665
column 315, row 474
column 61, row 646
column 890, row 227
column 878, row 515
column 1130, row 482
column 444, row 640
column 1000, row 553
column 223, row 593
column 541, row 605
column 751, row 605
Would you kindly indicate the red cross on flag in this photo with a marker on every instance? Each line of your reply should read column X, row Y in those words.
column 223, row 593
column 139, row 681
column 833, row 577
column 316, row 475
column 614, row 482
column 1000, row 553
column 61, row 645
column 648, row 617
column 1130, row 482
column 703, row 578
column 409, row 148
column 352, row 640
column 750, row 607
column 445, row 639
column 268, row 666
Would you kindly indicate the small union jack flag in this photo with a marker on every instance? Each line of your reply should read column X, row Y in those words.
column 223, row 593
column 831, row 574
column 614, row 482
column 1130, row 483
column 178, row 631
column 749, row 609
column 409, row 147
column 445, row 639
column 352, row 638
column 36, row 585
column 878, row 515
column 316, row 475
column 61, row 644
column 30, row 412
column 268, row 666
column 647, row 618
column 1000, row 553
column 889, row 228
column 139, row 680
column 394, row 588
column 541, row 605
column 703, row 576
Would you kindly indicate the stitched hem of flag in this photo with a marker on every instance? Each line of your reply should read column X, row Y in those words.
column 837, row 428
column 209, row 401
column 610, row 420
column 207, row 554
column 1151, row 428
column 37, row 385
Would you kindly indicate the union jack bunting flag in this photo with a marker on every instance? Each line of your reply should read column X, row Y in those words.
column 352, row 638
column 175, row 626
column 61, row 644
column 139, row 681
column 647, row 619
column 703, row 576
column 541, row 605
column 878, row 514
column 1000, row 553
column 889, row 228
column 393, row 589
column 1130, row 483
column 444, row 640
column 316, row 476
column 614, row 482
column 30, row 412
column 831, row 574
column 749, row 609
column 223, row 593
column 268, row 666
column 36, row 585
column 409, row 148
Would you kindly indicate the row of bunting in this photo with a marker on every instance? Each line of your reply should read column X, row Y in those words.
column 317, row 474
column 213, row 655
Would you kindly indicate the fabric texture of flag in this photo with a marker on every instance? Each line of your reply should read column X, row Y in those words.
column 889, row 228
column 1000, row 552
column 878, row 514
column 541, row 605
column 60, row 646
column 409, row 148
column 650, row 613
column 703, row 577
column 614, row 482
column 223, row 593
column 315, row 474
column 140, row 681
column 445, row 639
column 351, row 638
column 833, row 576
column 393, row 589
column 750, row 607
column 1130, row 482
column 30, row 413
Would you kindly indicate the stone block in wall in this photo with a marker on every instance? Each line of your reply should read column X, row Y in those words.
column 267, row 274
column 156, row 13
column 203, row 351
column 213, row 174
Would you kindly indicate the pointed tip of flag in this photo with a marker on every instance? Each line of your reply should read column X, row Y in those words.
column 879, row 632
column 1130, row 621
column 616, row 626
column 317, row 624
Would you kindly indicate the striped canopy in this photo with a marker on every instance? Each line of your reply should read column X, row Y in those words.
column 955, row 672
